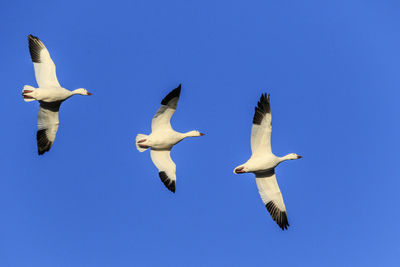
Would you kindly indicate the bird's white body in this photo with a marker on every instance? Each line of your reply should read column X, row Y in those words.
column 50, row 94
column 163, row 138
column 167, row 138
column 54, row 94
column 266, row 162
column 263, row 162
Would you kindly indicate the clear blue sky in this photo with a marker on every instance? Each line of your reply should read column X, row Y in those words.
column 332, row 68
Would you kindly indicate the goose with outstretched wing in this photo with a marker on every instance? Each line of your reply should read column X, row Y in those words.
column 49, row 93
column 163, row 138
column 263, row 162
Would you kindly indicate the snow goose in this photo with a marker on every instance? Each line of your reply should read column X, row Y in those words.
column 263, row 162
column 50, row 94
column 163, row 138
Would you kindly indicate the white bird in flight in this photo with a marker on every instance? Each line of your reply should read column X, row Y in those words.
column 50, row 94
column 163, row 138
column 263, row 162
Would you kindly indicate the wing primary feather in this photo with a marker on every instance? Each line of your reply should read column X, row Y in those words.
column 169, row 183
column 280, row 217
column 174, row 93
column 263, row 107
column 43, row 142
column 35, row 46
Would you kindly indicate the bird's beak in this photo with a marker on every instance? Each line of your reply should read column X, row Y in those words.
column 299, row 157
column 201, row 134
column 89, row 93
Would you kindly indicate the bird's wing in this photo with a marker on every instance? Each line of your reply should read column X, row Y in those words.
column 47, row 125
column 45, row 70
column 272, row 197
column 168, row 106
column 262, row 128
column 166, row 167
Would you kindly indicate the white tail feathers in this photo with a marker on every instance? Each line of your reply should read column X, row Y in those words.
column 138, row 138
column 27, row 93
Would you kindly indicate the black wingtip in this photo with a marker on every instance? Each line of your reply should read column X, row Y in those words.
column 43, row 143
column 30, row 36
column 174, row 93
column 170, row 184
column 35, row 47
column 280, row 217
column 263, row 107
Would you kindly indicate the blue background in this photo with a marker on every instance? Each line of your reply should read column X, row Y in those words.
column 332, row 68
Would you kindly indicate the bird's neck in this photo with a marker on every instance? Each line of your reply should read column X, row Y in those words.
column 75, row 92
column 78, row 91
column 190, row 134
column 287, row 157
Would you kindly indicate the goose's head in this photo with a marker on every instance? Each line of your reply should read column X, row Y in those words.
column 193, row 134
column 199, row 133
column 293, row 156
column 240, row 169
column 82, row 91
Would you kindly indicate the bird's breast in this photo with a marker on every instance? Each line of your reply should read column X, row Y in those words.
column 164, row 140
column 259, row 164
column 51, row 94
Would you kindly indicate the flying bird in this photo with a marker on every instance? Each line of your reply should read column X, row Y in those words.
column 163, row 138
column 263, row 162
column 49, row 93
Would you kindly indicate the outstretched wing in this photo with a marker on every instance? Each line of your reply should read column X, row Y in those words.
column 168, row 106
column 261, row 130
column 166, row 167
column 272, row 197
column 47, row 125
column 45, row 70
